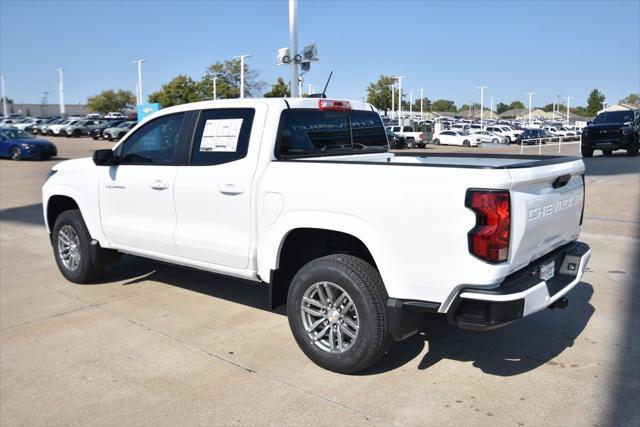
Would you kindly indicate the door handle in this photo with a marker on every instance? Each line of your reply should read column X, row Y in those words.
column 159, row 185
column 231, row 189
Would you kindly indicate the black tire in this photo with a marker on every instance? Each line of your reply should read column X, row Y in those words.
column 421, row 145
column 607, row 152
column 495, row 141
column 94, row 137
column 586, row 151
column 85, row 271
column 77, row 133
column 633, row 149
column 15, row 153
column 508, row 139
column 436, row 141
column 466, row 143
column 366, row 290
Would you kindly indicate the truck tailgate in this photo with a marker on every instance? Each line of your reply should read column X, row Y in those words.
column 547, row 205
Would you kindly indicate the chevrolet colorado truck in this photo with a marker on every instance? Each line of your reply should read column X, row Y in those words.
column 303, row 196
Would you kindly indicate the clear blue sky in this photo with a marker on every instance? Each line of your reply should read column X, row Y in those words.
column 447, row 48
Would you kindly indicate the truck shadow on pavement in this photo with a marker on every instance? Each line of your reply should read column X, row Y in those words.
column 511, row 350
column 29, row 214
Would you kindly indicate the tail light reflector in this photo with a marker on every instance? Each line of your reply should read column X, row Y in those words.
column 421, row 135
column 489, row 239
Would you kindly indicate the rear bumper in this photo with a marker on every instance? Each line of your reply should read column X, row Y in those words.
column 522, row 293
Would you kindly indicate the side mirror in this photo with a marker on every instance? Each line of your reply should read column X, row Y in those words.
column 104, row 158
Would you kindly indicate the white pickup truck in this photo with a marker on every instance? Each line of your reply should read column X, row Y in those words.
column 303, row 196
column 414, row 138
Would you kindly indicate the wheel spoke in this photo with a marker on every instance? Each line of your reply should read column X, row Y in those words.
column 312, row 312
column 321, row 333
column 311, row 301
column 344, row 329
column 331, row 339
column 328, row 291
column 321, row 295
column 350, row 322
column 339, row 336
column 315, row 324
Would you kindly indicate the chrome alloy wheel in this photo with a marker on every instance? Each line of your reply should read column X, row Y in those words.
column 330, row 317
column 69, row 247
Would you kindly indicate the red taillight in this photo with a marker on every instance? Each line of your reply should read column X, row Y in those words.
column 332, row 105
column 421, row 135
column 489, row 239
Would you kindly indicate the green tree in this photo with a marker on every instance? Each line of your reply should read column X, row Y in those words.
column 632, row 99
column 580, row 111
column 228, row 80
column 594, row 102
column 426, row 104
column 465, row 107
column 379, row 93
column 110, row 100
column 180, row 90
column 515, row 105
column 548, row 108
column 501, row 107
column 444, row 105
column 278, row 90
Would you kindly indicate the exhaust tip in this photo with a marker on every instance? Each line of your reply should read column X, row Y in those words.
column 560, row 303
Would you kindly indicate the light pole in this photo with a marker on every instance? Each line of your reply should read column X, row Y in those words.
column 61, row 89
column 530, row 100
column 492, row 108
column 215, row 94
column 309, row 89
column 421, row 107
column 482, row 88
column 568, row 110
column 410, row 105
column 400, row 98
column 241, row 58
column 293, row 44
column 139, row 94
column 5, row 113
column 393, row 97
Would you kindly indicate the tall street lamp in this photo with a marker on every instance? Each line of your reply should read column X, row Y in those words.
column 61, row 89
column 530, row 100
column 241, row 58
column 482, row 88
column 139, row 94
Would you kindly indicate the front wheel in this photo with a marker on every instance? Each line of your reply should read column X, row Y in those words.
column 72, row 248
column 495, row 141
column 466, row 143
column 16, row 154
column 633, row 149
column 586, row 151
column 436, row 141
column 336, row 310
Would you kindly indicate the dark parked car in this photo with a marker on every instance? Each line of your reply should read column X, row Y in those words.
column 17, row 144
column 97, row 132
column 396, row 141
column 535, row 136
column 612, row 130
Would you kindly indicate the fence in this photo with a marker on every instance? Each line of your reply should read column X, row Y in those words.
column 539, row 142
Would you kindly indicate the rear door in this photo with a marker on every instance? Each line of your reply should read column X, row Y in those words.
column 213, row 191
column 547, row 205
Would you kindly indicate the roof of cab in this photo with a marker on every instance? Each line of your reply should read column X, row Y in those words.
column 282, row 103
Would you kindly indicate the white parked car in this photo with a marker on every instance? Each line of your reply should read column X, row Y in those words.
column 302, row 196
column 489, row 137
column 114, row 115
column 505, row 131
column 55, row 129
column 454, row 137
column 558, row 131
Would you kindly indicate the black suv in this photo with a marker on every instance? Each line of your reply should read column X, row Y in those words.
column 612, row 130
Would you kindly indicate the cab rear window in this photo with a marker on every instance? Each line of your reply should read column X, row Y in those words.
column 309, row 132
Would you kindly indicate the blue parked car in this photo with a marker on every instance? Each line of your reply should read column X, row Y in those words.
column 17, row 144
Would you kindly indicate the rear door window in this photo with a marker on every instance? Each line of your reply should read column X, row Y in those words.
column 222, row 136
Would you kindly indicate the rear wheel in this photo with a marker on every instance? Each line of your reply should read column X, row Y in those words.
column 466, row 143
column 495, row 141
column 586, row 151
column 77, row 133
column 436, row 141
column 72, row 248
column 336, row 310
column 16, row 154
column 411, row 142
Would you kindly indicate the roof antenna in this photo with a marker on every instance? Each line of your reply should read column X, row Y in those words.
column 324, row 91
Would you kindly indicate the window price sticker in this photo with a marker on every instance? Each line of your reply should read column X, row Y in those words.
column 221, row 135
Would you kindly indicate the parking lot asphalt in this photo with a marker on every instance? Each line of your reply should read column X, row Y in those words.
column 153, row 344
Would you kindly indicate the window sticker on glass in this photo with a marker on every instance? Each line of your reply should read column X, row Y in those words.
column 221, row 135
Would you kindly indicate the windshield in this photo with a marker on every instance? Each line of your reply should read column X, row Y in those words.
column 16, row 134
column 614, row 117
column 308, row 132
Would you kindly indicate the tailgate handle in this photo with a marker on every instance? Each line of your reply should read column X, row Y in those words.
column 561, row 181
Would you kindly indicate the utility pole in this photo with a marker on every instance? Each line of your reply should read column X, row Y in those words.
column 241, row 58
column 293, row 45
column 410, row 105
column 492, row 108
column 421, row 106
column 393, row 97
column 215, row 94
column 482, row 88
column 5, row 112
column 530, row 100
column 568, row 110
column 309, row 89
column 139, row 94
column 45, row 101
column 61, row 89
column 400, row 99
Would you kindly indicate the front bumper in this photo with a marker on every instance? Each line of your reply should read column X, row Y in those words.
column 521, row 293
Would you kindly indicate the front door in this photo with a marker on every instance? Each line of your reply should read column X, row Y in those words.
column 137, row 206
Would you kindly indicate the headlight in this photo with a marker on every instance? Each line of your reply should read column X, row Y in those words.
column 25, row 145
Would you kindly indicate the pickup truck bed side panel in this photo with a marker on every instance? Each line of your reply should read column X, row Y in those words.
column 411, row 238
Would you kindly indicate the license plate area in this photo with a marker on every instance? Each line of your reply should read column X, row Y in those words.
column 547, row 270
